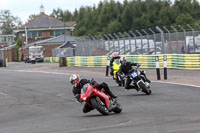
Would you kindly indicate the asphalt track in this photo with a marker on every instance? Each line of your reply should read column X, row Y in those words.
column 41, row 102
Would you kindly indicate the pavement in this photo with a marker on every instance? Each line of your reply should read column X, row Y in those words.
column 173, row 75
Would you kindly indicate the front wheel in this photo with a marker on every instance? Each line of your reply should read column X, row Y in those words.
column 117, row 108
column 99, row 105
column 146, row 90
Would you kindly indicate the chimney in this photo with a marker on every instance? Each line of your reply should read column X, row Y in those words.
column 41, row 9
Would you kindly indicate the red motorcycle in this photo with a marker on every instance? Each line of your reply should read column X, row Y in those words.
column 99, row 100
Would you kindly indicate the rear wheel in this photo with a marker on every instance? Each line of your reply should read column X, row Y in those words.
column 99, row 105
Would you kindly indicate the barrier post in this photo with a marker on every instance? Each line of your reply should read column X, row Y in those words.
column 157, row 67
column 165, row 66
column 108, row 64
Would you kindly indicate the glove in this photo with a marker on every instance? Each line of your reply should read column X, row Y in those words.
column 78, row 99
column 92, row 82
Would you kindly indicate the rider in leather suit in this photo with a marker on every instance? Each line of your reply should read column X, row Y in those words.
column 125, row 68
column 79, row 83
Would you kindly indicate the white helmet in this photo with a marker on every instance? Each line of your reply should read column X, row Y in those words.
column 74, row 79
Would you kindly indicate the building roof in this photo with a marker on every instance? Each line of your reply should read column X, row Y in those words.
column 45, row 21
column 9, row 47
column 67, row 45
column 55, row 40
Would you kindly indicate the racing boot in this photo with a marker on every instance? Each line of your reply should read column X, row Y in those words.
column 111, row 94
column 147, row 80
column 108, row 91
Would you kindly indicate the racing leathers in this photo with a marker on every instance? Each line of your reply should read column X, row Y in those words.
column 111, row 64
column 77, row 91
column 125, row 68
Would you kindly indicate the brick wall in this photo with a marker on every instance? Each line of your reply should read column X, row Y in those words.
column 48, row 49
column 46, row 34
column 10, row 54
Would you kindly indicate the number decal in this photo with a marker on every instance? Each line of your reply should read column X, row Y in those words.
column 134, row 74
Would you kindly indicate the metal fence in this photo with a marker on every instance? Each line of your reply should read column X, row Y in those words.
column 144, row 42
column 63, row 52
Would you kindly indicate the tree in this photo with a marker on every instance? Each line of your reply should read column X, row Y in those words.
column 110, row 16
column 114, row 26
column 9, row 22
column 31, row 17
column 18, row 45
column 184, row 19
column 57, row 14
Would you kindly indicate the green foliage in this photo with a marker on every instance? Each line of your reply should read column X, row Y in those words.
column 8, row 22
column 114, row 26
column 184, row 19
column 18, row 45
column 110, row 16
column 31, row 17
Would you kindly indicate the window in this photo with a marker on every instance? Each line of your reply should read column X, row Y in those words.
column 3, row 39
column 10, row 39
column 52, row 33
column 39, row 33
column 57, row 32
column 34, row 34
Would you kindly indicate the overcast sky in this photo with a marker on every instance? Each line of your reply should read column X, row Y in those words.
column 24, row 8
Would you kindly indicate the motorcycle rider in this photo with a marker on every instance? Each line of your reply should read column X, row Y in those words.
column 79, row 83
column 125, row 68
column 114, row 57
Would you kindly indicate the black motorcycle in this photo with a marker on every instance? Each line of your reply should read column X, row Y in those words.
column 121, row 78
column 140, row 81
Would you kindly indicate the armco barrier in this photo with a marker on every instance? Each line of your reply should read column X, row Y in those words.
column 175, row 61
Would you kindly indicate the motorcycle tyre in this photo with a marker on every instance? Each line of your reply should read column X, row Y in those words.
column 102, row 109
column 147, row 91
column 117, row 109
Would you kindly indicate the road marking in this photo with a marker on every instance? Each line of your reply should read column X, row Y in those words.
column 177, row 84
column 103, row 77
column 1, row 93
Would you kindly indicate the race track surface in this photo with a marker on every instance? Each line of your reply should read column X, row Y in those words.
column 40, row 102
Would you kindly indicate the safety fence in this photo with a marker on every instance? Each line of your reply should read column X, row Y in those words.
column 174, row 61
column 159, row 40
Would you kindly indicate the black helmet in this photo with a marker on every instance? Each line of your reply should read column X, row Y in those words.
column 123, row 60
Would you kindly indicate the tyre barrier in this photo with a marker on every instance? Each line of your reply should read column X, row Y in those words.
column 174, row 61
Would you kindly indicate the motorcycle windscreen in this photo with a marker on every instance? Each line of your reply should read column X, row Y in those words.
column 86, row 90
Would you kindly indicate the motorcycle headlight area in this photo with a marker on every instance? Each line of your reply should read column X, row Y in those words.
column 84, row 98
